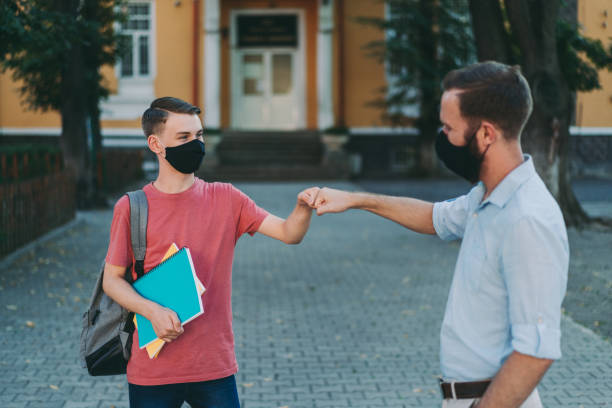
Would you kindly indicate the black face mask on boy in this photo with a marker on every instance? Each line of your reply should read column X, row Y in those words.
column 187, row 157
column 461, row 160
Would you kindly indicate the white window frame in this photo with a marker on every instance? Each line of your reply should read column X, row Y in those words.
column 136, row 34
column 134, row 93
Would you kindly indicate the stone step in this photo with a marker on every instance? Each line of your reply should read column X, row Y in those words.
column 228, row 173
column 270, row 148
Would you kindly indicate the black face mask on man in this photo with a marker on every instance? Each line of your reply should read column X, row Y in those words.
column 461, row 160
column 187, row 157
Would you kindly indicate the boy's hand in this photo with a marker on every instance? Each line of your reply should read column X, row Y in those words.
column 307, row 198
column 330, row 200
column 166, row 324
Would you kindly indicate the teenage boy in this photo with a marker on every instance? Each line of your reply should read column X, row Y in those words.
column 199, row 363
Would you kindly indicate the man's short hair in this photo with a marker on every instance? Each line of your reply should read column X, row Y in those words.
column 156, row 115
column 492, row 91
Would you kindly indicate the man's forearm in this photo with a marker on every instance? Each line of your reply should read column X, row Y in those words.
column 297, row 223
column 409, row 212
column 515, row 381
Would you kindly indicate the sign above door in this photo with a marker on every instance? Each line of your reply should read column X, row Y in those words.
column 270, row 30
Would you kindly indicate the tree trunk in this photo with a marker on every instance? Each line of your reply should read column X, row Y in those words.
column 427, row 162
column 546, row 139
column 546, row 136
column 97, row 165
column 492, row 40
column 428, row 120
column 74, row 138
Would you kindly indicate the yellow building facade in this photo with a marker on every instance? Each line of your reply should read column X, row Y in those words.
column 594, row 109
column 280, row 65
column 250, row 64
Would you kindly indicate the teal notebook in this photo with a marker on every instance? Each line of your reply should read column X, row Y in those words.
column 171, row 284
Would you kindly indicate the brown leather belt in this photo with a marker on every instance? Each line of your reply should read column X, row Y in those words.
column 463, row 390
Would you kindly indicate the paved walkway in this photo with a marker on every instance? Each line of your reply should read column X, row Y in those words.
column 350, row 318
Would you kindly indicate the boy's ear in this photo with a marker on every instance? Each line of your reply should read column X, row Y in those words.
column 154, row 145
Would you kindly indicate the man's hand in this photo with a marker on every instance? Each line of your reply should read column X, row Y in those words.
column 166, row 324
column 515, row 381
column 308, row 197
column 414, row 214
column 330, row 200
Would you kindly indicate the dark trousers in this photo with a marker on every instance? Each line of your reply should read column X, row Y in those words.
column 220, row 393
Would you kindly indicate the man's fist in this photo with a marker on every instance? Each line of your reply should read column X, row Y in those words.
column 330, row 200
column 308, row 197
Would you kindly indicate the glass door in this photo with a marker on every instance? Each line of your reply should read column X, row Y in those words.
column 253, row 91
column 282, row 100
column 268, row 78
column 267, row 90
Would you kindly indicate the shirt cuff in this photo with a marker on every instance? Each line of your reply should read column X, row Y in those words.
column 538, row 340
column 438, row 222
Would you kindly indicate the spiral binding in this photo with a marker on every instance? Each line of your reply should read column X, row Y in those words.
column 164, row 261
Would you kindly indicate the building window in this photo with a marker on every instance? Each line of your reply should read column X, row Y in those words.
column 136, row 68
column 136, row 34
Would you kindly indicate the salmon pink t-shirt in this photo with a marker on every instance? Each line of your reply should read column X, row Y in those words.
column 207, row 218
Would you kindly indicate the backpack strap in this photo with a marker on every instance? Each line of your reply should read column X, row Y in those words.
column 139, row 212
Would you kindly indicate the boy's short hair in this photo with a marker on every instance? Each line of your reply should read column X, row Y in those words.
column 492, row 91
column 156, row 115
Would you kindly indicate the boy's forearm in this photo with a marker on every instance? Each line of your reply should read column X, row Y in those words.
column 123, row 293
column 296, row 225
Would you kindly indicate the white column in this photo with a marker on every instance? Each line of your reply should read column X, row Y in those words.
column 212, row 64
column 324, row 64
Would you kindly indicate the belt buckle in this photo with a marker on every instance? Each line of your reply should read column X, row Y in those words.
column 452, row 387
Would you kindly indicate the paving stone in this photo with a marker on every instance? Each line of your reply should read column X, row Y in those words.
column 350, row 317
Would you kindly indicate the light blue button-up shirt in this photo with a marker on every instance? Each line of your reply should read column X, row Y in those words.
column 510, row 277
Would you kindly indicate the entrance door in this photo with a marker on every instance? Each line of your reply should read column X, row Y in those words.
column 267, row 90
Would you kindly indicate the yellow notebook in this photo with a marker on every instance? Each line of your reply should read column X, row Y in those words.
column 154, row 348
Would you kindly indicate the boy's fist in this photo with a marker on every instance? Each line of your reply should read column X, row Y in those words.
column 166, row 324
column 308, row 197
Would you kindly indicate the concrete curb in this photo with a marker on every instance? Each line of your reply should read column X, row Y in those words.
column 585, row 329
column 10, row 258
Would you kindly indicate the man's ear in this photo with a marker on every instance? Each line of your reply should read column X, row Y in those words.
column 154, row 145
column 490, row 133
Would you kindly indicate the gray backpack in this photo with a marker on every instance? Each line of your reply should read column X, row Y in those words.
column 106, row 338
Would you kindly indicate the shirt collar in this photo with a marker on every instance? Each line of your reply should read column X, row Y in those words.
column 508, row 186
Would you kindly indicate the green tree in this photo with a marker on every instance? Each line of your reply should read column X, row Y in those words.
column 55, row 48
column 543, row 37
column 424, row 39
